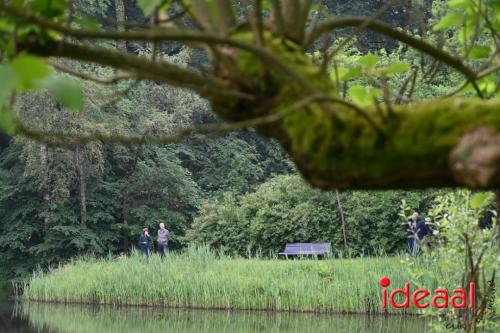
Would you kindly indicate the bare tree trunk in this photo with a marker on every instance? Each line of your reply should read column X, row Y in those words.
column 125, row 213
column 121, row 17
column 408, row 12
column 341, row 211
column 82, row 179
column 295, row 17
column 126, row 201
column 153, row 46
column 44, row 161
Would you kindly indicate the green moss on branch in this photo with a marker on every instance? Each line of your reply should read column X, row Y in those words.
column 335, row 147
column 415, row 152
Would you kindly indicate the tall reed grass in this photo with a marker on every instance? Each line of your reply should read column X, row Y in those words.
column 203, row 279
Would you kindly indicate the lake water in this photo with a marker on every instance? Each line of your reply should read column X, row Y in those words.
column 41, row 318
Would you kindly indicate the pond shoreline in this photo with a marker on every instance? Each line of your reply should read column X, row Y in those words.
column 86, row 318
column 201, row 279
column 222, row 309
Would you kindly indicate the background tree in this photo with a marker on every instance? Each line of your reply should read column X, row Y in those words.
column 287, row 210
column 127, row 187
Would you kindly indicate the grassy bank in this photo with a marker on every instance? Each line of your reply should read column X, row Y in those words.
column 199, row 278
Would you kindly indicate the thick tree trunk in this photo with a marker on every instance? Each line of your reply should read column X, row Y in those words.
column 295, row 17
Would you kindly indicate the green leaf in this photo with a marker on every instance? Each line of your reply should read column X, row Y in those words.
column 460, row 4
column 467, row 31
column 49, row 8
column 30, row 70
column 450, row 20
column 66, row 91
column 369, row 60
column 7, row 120
column 8, row 81
column 87, row 23
column 479, row 52
column 6, row 26
column 363, row 96
column 352, row 73
column 481, row 199
column 148, row 6
column 397, row 68
column 267, row 5
column 487, row 85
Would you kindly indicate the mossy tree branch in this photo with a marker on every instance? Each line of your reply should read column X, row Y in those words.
column 446, row 142
column 140, row 67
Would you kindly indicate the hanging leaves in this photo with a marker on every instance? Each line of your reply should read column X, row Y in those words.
column 7, row 120
column 364, row 95
column 450, row 20
column 30, row 70
column 66, row 91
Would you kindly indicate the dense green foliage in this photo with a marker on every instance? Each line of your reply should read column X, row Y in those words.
column 199, row 278
column 57, row 203
column 286, row 210
column 463, row 238
column 45, row 216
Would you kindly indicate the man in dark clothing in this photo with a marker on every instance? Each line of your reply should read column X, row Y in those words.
column 145, row 242
column 162, row 239
column 422, row 229
column 409, row 229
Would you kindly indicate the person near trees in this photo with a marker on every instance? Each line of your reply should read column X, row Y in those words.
column 163, row 236
column 409, row 229
column 145, row 242
column 422, row 229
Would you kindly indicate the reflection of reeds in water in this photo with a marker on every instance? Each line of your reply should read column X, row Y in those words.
column 199, row 278
column 84, row 319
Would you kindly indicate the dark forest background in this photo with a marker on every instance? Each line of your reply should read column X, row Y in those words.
column 237, row 191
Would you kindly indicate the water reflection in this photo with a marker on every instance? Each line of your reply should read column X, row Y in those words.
column 85, row 319
column 10, row 322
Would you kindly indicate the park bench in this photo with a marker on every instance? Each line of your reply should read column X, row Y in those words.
column 318, row 250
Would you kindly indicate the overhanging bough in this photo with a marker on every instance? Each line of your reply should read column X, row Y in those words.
column 263, row 77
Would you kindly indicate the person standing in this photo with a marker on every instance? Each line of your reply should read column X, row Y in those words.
column 145, row 242
column 422, row 229
column 162, row 240
column 409, row 229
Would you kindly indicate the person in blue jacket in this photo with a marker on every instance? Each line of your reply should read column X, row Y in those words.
column 145, row 242
column 422, row 229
